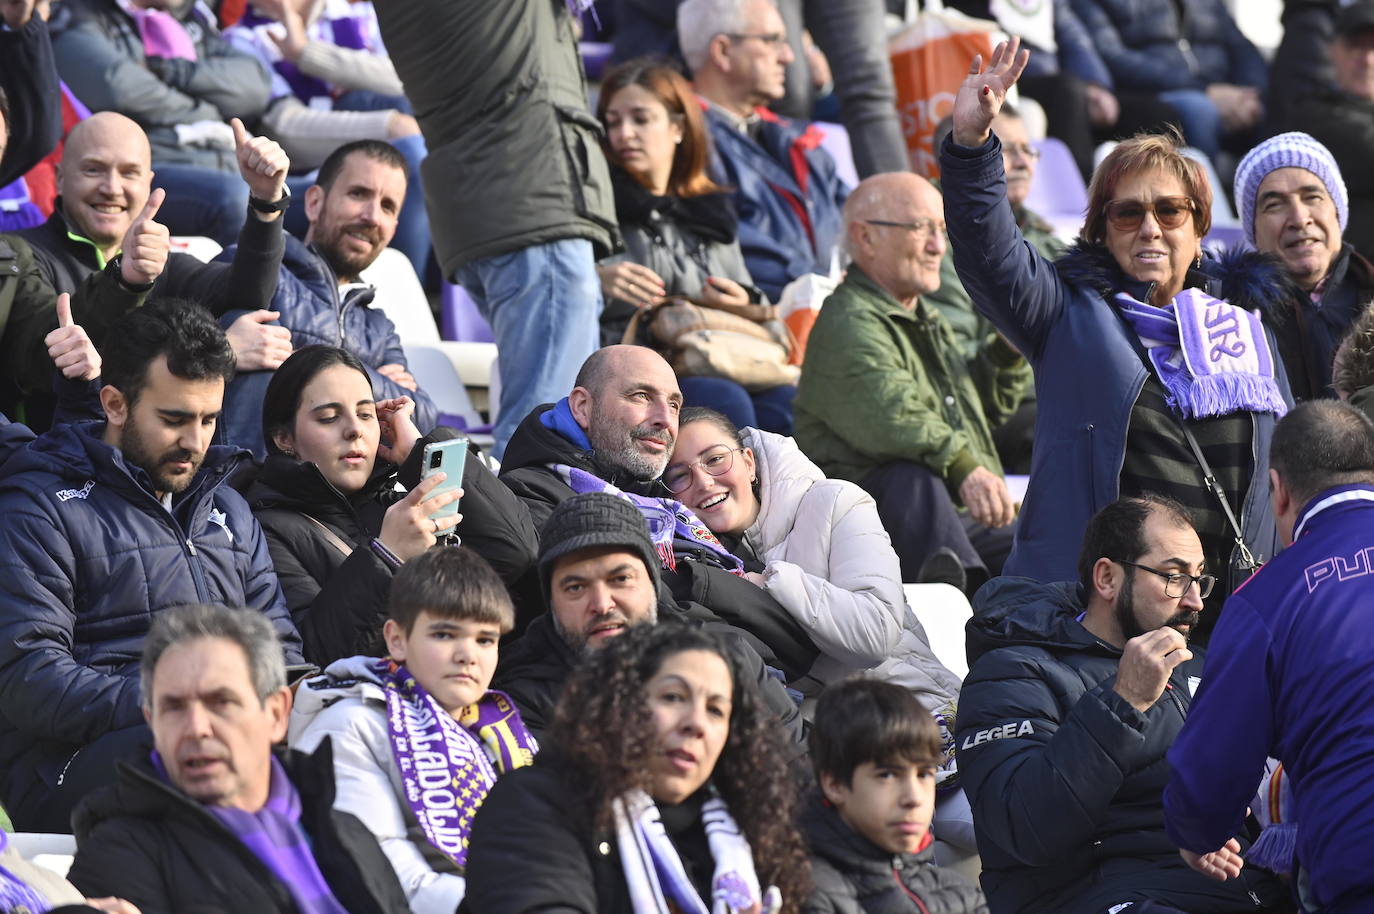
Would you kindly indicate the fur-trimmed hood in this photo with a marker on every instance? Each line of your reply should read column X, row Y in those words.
column 1240, row 276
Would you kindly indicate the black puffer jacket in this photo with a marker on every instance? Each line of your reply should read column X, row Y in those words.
column 855, row 876
column 147, row 842
column 779, row 638
column 1065, row 777
column 338, row 601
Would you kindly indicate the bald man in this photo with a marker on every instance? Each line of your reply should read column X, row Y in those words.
column 887, row 400
column 106, row 208
column 617, row 428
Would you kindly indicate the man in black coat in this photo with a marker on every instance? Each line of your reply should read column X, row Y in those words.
column 618, row 425
column 213, row 820
column 599, row 572
column 1076, row 693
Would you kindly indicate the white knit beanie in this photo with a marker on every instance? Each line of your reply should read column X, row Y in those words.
column 1287, row 150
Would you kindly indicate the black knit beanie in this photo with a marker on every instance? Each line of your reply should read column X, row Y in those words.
column 589, row 521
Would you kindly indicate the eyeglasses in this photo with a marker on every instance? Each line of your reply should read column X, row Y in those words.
column 716, row 462
column 1023, row 149
column 1169, row 212
column 772, row 39
column 921, row 228
column 1176, row 583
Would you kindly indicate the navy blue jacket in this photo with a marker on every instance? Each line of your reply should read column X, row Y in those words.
column 88, row 556
column 1149, row 46
column 313, row 309
column 1290, row 677
column 1087, row 370
column 1063, row 774
column 788, row 194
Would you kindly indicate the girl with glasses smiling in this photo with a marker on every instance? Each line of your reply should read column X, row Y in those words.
column 1153, row 369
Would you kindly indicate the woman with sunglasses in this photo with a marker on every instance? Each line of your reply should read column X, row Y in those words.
column 815, row 544
column 1149, row 358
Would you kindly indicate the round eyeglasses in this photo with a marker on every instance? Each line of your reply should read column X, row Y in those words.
column 716, row 462
column 1176, row 583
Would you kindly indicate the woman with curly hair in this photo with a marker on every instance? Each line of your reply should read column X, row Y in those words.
column 665, row 790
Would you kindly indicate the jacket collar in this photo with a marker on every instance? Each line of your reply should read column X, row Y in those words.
column 64, row 233
column 712, row 216
column 1328, row 502
column 884, row 299
column 285, row 481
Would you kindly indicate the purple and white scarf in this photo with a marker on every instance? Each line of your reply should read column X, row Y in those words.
column 15, row 893
column 664, row 517
column 654, row 874
column 275, row 837
column 1211, row 355
column 447, row 766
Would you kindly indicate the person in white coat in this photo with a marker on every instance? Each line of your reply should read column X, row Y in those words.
column 418, row 738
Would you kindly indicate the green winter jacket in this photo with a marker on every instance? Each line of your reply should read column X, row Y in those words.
column 881, row 383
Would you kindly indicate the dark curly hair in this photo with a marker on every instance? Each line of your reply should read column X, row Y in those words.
column 604, row 732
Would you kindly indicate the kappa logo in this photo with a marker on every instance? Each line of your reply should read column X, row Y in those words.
column 1005, row 731
column 81, row 493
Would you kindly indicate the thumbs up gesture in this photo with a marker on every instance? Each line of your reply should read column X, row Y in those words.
column 70, row 349
column 262, row 163
column 145, row 244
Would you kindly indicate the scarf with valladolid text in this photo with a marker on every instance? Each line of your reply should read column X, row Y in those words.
column 665, row 518
column 1211, row 356
column 447, row 765
column 654, row 873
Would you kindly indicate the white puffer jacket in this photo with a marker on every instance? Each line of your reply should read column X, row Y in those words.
column 831, row 564
column 348, row 705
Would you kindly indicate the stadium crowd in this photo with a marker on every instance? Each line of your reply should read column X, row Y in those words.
column 670, row 633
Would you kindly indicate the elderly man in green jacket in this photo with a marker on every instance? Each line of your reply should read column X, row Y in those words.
column 887, row 399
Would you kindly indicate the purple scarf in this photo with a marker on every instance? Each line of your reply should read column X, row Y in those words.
column 1211, row 356
column 665, row 518
column 275, row 837
column 15, row 893
column 447, row 766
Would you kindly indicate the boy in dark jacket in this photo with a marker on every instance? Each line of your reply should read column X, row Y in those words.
column 875, row 751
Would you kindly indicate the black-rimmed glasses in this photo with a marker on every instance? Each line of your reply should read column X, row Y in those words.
column 1176, row 583
column 716, row 462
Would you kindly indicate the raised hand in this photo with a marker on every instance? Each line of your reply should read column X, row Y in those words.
column 407, row 528
column 394, row 417
column 146, row 244
column 982, row 93
column 70, row 349
column 258, row 344
column 1146, row 664
column 263, row 165
column 292, row 44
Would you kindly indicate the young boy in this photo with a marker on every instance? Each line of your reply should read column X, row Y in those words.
column 875, row 751
column 418, row 738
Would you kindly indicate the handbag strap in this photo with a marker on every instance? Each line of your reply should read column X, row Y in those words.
column 1210, row 480
column 330, row 536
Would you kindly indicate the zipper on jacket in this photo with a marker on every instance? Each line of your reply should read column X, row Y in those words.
column 897, row 878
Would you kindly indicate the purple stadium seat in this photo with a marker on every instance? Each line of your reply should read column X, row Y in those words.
column 460, row 320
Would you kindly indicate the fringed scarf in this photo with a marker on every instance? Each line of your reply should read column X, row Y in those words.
column 1211, row 356
column 654, row 873
column 447, row 766
column 666, row 519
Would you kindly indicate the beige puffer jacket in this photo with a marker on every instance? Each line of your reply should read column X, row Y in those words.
column 830, row 563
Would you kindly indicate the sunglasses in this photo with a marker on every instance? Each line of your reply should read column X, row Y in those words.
column 1169, row 212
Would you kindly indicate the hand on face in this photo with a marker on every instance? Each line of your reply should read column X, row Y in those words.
column 1146, row 664
column 395, row 416
column 70, row 349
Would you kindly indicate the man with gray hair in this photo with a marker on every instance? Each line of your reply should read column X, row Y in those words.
column 787, row 189
column 886, row 399
column 213, row 818
column 1294, row 204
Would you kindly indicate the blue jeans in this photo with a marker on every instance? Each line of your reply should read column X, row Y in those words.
column 1199, row 118
column 202, row 201
column 543, row 303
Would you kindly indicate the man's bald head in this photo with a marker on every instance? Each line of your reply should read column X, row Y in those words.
column 105, row 177
column 627, row 400
column 895, row 232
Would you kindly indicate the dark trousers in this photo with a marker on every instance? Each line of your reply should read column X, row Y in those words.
column 49, row 809
column 920, row 517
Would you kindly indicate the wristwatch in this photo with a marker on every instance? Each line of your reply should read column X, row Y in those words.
column 263, row 206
